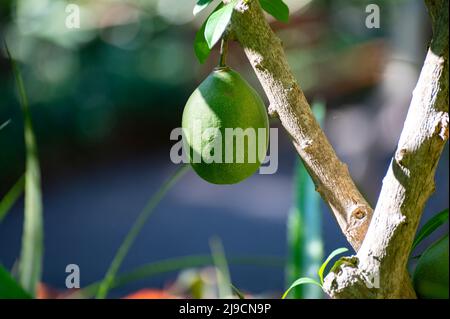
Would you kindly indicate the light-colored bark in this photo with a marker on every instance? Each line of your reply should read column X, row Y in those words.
column 408, row 183
column 287, row 101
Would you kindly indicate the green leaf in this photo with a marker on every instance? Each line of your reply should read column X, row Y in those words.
column 217, row 23
column 175, row 264
column 11, row 197
column 301, row 281
column 276, row 8
column 9, row 287
column 220, row 262
column 121, row 253
column 349, row 261
column 430, row 227
column 201, row 48
column 237, row 292
column 201, row 5
column 333, row 254
column 304, row 227
column 5, row 124
column 30, row 266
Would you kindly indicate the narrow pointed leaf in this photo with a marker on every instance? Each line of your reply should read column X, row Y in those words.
column 237, row 292
column 217, row 23
column 201, row 48
column 276, row 8
column 175, row 264
column 223, row 274
column 5, row 124
column 200, row 6
column 30, row 266
column 333, row 254
column 11, row 197
column 9, row 287
column 304, row 227
column 434, row 223
column 301, row 281
column 130, row 238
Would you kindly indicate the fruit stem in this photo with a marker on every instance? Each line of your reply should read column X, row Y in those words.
column 223, row 52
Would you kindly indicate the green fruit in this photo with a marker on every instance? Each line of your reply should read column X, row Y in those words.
column 224, row 100
column 431, row 273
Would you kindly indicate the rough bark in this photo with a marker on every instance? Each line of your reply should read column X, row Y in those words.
column 287, row 101
column 408, row 183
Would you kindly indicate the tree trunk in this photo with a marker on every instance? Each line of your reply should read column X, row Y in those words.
column 287, row 101
column 409, row 182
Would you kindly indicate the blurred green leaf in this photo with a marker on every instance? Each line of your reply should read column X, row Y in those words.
column 121, row 253
column 349, row 261
column 175, row 264
column 431, row 274
column 295, row 239
column 5, row 124
column 237, row 292
column 276, row 8
column 201, row 48
column 200, row 6
column 220, row 262
column 333, row 254
column 9, row 287
column 11, row 197
column 430, row 227
column 30, row 266
column 217, row 23
column 301, row 281
column 304, row 227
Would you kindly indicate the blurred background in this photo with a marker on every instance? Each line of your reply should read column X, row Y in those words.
column 105, row 97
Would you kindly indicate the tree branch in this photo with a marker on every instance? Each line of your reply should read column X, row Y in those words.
column 408, row 183
column 287, row 101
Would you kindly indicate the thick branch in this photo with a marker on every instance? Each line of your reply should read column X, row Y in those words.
column 331, row 177
column 408, row 183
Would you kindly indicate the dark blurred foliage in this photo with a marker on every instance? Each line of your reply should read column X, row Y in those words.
column 86, row 92
column 120, row 81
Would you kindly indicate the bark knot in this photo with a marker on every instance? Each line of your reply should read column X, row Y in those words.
column 359, row 213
